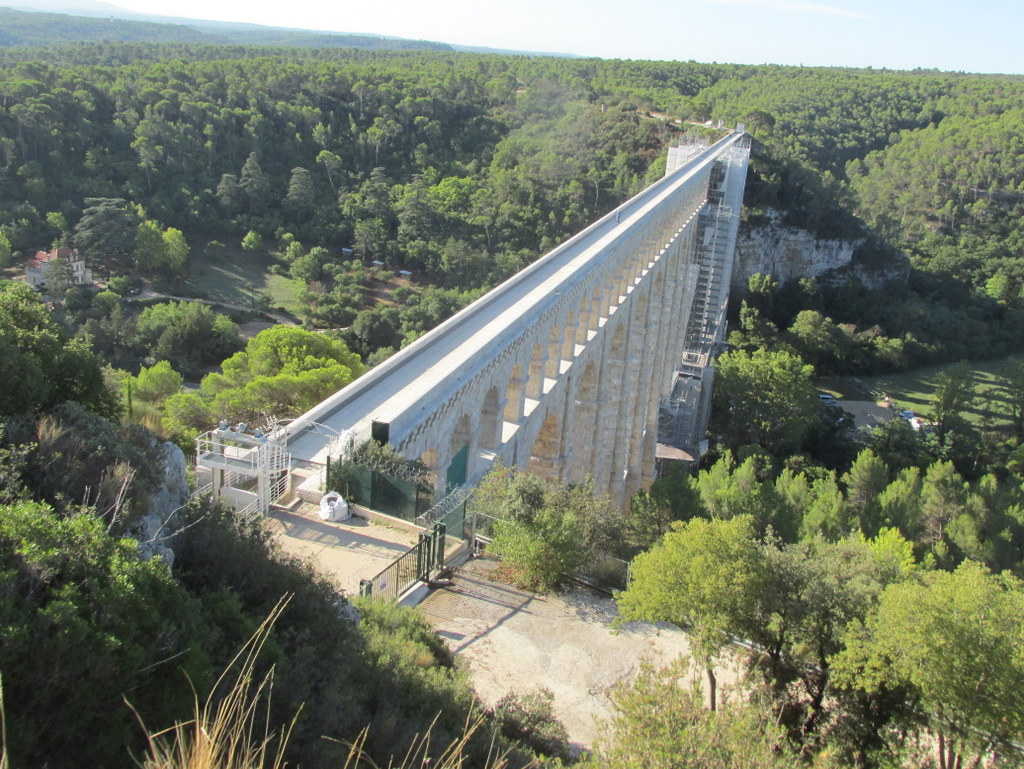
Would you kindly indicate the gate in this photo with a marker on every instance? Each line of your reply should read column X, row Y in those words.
column 421, row 564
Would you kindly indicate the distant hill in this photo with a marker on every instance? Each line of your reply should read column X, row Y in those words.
column 98, row 24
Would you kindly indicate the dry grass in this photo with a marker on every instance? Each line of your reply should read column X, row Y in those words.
column 227, row 731
column 421, row 754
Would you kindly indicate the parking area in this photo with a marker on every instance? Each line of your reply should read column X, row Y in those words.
column 511, row 639
column 867, row 413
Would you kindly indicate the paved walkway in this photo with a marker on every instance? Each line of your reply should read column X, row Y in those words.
column 346, row 550
column 511, row 639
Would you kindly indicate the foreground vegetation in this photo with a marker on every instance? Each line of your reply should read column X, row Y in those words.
column 838, row 560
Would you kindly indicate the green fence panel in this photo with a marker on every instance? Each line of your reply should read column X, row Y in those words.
column 457, row 469
column 394, row 496
column 455, row 522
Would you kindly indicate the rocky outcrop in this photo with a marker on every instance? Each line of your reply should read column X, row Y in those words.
column 155, row 528
column 786, row 253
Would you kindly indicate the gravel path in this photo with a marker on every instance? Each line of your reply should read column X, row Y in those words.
column 511, row 639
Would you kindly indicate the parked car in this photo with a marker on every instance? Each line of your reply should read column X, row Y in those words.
column 906, row 414
column 826, row 399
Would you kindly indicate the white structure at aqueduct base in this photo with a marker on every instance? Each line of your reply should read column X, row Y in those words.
column 559, row 370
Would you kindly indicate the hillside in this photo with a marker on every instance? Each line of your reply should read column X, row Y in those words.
column 34, row 28
column 377, row 192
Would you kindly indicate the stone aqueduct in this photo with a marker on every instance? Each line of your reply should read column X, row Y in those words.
column 562, row 368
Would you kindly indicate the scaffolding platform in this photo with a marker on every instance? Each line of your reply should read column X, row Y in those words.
column 248, row 471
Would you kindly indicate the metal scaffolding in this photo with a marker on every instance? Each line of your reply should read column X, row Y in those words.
column 684, row 414
column 248, row 471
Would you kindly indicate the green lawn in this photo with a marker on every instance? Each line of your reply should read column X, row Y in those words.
column 913, row 389
column 233, row 273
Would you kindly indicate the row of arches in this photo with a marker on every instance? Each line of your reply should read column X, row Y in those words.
column 576, row 394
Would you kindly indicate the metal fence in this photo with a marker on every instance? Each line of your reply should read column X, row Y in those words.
column 451, row 511
column 478, row 530
column 379, row 490
column 421, row 564
column 606, row 573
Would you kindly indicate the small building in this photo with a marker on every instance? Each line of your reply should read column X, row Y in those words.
column 38, row 268
column 247, row 471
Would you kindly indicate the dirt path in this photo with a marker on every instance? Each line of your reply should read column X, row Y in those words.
column 511, row 639
column 274, row 316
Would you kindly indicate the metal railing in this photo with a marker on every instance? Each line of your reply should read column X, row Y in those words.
column 606, row 573
column 421, row 564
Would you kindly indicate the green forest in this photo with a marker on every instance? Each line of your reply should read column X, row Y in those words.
column 360, row 197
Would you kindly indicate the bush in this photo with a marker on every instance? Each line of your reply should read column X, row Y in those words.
column 529, row 718
column 543, row 551
column 87, row 624
column 252, row 241
column 547, row 531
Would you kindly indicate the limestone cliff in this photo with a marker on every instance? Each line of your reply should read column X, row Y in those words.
column 154, row 529
column 785, row 252
column 770, row 248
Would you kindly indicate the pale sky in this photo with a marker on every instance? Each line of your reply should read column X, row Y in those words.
column 967, row 35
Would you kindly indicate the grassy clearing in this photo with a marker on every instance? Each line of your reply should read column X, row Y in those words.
column 914, row 389
column 233, row 274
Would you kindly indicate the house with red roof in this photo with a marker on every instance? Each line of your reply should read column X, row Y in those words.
column 38, row 267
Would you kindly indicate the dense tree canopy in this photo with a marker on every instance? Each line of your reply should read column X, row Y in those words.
column 955, row 638
column 765, row 398
column 42, row 368
column 282, row 372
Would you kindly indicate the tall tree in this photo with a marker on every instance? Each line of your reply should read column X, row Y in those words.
column 764, row 397
column 254, row 183
column 176, row 251
column 107, row 231
column 332, row 164
column 149, row 247
column 955, row 637
column 700, row 577
column 230, row 194
column 954, row 395
column 865, row 481
column 59, row 277
column 301, row 193
column 5, row 250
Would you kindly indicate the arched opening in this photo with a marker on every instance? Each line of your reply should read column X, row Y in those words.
column 586, row 318
column 535, row 383
column 553, row 365
column 568, row 350
column 546, row 454
column 513, row 411
column 490, row 420
column 586, row 440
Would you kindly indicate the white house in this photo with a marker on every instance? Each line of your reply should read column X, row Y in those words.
column 37, row 267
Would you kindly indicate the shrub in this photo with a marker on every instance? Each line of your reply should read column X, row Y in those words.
column 529, row 718
column 541, row 551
